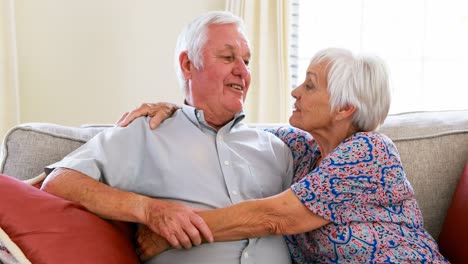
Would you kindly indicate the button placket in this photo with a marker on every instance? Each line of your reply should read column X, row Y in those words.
column 227, row 169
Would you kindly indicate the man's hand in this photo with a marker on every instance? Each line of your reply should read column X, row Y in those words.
column 149, row 244
column 158, row 112
column 179, row 224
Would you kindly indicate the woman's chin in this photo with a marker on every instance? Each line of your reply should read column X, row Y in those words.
column 294, row 122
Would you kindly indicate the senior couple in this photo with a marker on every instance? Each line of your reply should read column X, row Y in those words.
column 330, row 189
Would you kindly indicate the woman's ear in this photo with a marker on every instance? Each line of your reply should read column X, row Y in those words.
column 345, row 112
column 185, row 65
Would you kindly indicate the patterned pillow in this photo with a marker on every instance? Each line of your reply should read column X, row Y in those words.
column 9, row 251
column 452, row 239
column 51, row 230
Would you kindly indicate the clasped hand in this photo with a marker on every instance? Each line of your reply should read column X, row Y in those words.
column 170, row 224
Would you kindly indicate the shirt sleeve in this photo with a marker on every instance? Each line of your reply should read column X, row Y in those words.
column 361, row 180
column 111, row 155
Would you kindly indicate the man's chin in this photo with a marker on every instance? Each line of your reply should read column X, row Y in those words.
column 236, row 108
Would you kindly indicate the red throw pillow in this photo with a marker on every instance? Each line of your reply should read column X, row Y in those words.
column 452, row 239
column 51, row 230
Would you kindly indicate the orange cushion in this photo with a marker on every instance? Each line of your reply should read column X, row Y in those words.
column 49, row 229
column 452, row 239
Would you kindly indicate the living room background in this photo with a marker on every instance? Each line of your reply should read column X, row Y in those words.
column 74, row 62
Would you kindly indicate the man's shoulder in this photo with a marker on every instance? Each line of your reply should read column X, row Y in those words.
column 137, row 124
column 142, row 123
column 256, row 133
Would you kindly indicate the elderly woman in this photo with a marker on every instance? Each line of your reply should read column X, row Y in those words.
column 350, row 201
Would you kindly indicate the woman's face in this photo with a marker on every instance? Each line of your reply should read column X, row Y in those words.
column 312, row 107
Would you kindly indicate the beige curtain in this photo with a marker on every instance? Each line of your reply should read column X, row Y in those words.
column 267, row 23
column 9, row 105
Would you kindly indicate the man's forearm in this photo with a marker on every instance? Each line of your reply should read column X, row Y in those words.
column 177, row 223
column 103, row 200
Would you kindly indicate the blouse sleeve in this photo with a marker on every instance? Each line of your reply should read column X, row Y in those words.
column 301, row 144
column 361, row 180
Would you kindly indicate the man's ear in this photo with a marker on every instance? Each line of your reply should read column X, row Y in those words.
column 345, row 112
column 185, row 65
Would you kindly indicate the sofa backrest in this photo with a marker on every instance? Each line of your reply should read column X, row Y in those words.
column 28, row 148
column 433, row 147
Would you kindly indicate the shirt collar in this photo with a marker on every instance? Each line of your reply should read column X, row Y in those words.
column 197, row 117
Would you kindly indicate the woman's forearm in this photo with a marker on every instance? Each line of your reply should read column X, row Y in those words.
column 282, row 214
column 243, row 220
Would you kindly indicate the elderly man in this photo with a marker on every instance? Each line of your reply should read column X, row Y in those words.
column 203, row 156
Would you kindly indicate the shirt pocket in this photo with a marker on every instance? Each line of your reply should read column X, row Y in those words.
column 248, row 184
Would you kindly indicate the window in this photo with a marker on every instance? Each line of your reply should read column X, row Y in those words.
column 424, row 42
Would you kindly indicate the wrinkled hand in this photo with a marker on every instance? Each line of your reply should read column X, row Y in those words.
column 158, row 112
column 179, row 224
column 149, row 244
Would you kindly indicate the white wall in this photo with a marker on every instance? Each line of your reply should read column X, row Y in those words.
column 8, row 75
column 88, row 61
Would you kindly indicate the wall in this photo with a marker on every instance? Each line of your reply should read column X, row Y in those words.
column 89, row 61
column 8, row 76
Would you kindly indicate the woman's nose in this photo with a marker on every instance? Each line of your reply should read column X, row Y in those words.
column 295, row 92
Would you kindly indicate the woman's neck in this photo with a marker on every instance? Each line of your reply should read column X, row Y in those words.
column 329, row 139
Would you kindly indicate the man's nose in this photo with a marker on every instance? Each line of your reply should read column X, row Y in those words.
column 240, row 68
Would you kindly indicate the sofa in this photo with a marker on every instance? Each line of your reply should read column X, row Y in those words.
column 433, row 147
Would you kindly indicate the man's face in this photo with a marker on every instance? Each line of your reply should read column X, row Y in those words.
column 220, row 86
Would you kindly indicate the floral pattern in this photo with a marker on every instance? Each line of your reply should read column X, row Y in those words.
column 362, row 189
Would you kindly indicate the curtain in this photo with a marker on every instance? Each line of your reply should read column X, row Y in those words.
column 268, row 28
column 9, row 105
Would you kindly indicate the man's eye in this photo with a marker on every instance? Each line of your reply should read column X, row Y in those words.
column 228, row 58
column 246, row 62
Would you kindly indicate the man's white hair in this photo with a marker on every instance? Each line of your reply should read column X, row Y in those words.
column 193, row 38
column 358, row 80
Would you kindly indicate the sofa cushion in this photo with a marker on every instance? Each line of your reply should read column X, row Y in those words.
column 49, row 229
column 452, row 239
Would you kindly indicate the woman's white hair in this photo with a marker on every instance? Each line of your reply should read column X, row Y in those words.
column 358, row 80
column 193, row 38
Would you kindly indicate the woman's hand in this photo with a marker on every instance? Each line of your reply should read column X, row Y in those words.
column 149, row 244
column 158, row 113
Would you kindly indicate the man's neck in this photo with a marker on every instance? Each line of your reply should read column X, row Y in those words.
column 214, row 119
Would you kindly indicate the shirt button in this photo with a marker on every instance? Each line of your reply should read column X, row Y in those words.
column 246, row 254
column 226, row 162
column 234, row 192
column 198, row 115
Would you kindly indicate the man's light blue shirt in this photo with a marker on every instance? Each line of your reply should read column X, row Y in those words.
column 186, row 160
